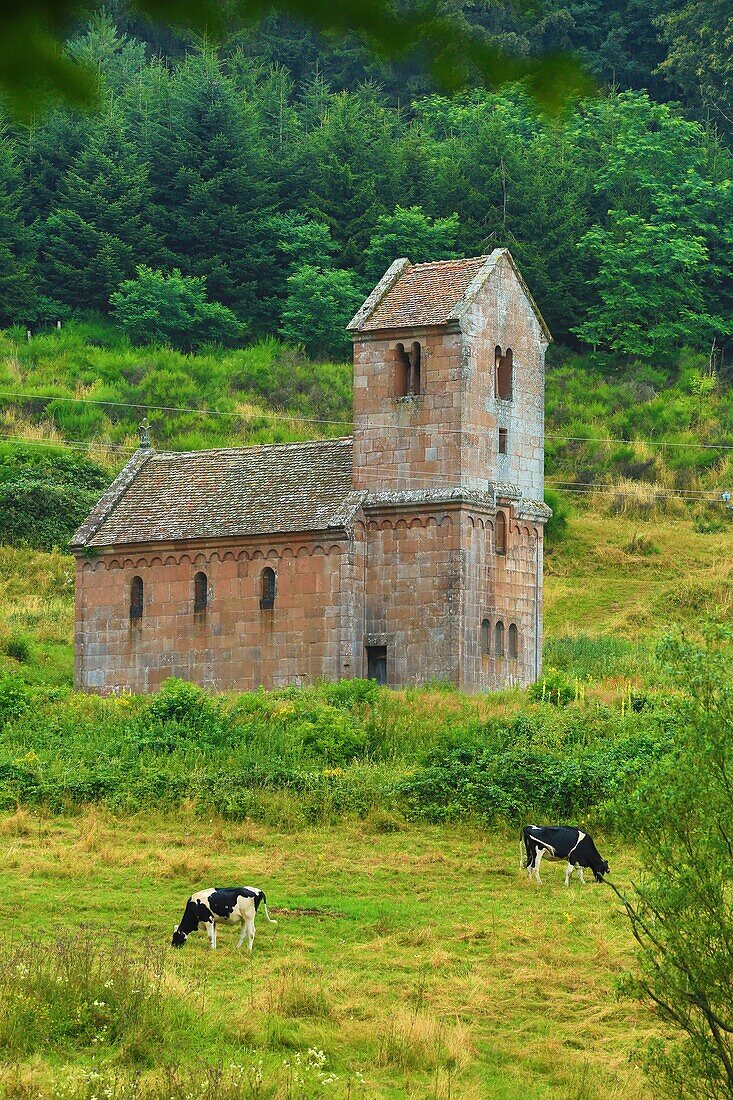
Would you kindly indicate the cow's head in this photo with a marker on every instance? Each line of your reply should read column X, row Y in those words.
column 601, row 869
column 179, row 938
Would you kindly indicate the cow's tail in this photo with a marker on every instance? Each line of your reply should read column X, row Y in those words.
column 522, row 853
column 268, row 918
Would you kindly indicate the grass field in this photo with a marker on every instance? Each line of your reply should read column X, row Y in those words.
column 420, row 962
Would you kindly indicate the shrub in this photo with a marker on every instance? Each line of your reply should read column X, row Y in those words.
column 15, row 697
column 351, row 693
column 182, row 702
column 555, row 687
column 557, row 525
column 18, row 648
column 172, row 309
column 43, row 499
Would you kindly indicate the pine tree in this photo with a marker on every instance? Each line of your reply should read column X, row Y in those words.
column 17, row 291
column 218, row 200
column 101, row 227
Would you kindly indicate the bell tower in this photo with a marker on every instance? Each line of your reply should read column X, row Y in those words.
column 449, row 379
column 449, row 455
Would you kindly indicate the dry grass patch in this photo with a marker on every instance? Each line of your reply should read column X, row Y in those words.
column 414, row 1040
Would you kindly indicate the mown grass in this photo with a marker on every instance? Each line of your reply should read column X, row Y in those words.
column 420, row 961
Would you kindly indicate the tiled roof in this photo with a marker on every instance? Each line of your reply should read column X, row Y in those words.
column 410, row 295
column 165, row 496
column 426, row 294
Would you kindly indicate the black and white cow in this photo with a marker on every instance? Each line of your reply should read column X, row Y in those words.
column 560, row 842
column 221, row 905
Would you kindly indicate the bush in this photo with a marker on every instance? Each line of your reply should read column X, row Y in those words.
column 181, row 702
column 18, row 648
column 172, row 309
column 557, row 525
column 15, row 698
column 555, row 687
column 44, row 498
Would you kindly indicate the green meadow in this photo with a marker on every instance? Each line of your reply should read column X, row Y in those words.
column 415, row 962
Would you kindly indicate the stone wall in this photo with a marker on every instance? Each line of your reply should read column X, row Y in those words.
column 501, row 588
column 234, row 644
column 501, row 317
column 407, row 442
column 412, row 593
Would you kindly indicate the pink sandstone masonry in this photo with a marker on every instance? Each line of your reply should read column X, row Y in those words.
column 412, row 553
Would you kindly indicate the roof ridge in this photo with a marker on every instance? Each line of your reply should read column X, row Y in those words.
column 459, row 260
column 293, row 444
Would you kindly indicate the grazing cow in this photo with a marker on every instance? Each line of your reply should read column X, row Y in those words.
column 221, row 905
column 560, row 842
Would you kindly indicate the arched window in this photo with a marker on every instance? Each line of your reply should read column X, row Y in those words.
column 136, row 598
column 513, row 642
column 504, row 370
column 200, row 593
column 500, row 533
column 267, row 588
column 407, row 370
column 485, row 636
column 499, row 640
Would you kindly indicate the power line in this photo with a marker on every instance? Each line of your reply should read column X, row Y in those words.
column 270, row 415
column 589, row 489
column 72, row 444
column 197, row 410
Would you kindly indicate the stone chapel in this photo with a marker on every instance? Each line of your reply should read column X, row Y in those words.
column 409, row 552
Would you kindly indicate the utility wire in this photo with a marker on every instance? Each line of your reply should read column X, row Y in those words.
column 270, row 415
column 428, row 482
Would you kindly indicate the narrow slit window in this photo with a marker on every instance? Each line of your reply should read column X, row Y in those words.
column 267, row 589
column 136, row 598
column 504, row 372
column 500, row 533
column 499, row 639
column 402, row 372
column 503, row 434
column 415, row 358
column 200, row 593
column 485, row 636
column 513, row 642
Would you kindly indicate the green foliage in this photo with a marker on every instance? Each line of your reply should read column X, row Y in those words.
column 510, row 773
column 179, row 701
column 100, row 226
column 410, row 232
column 34, row 69
column 681, row 913
column 18, row 648
column 248, row 167
column 319, row 305
column 317, row 754
column 17, row 291
column 555, row 687
column 15, row 697
column 557, row 525
column 172, row 309
column 82, row 992
column 45, row 496
column 596, row 658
